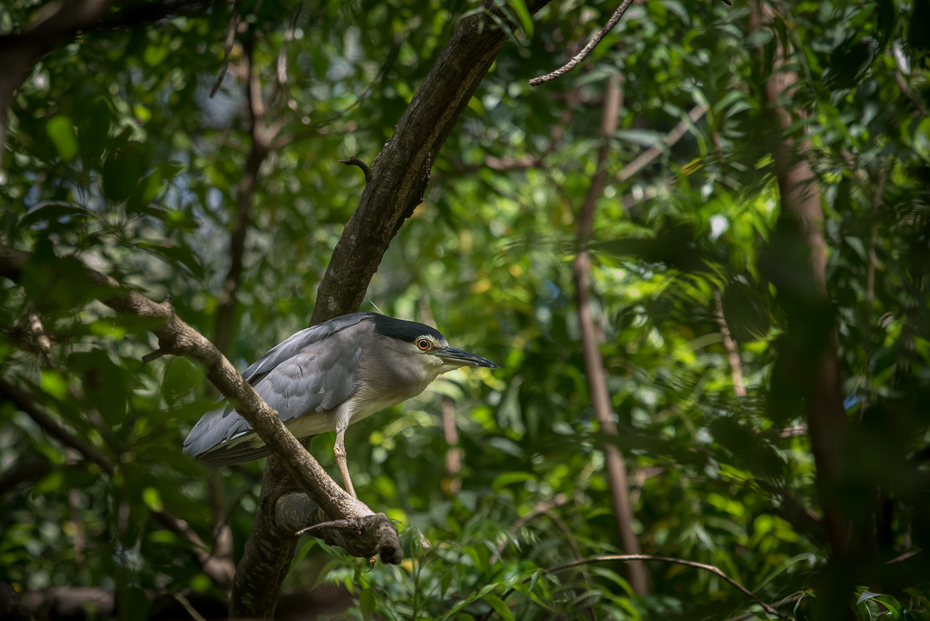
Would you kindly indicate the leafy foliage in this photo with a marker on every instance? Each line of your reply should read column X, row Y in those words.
column 119, row 159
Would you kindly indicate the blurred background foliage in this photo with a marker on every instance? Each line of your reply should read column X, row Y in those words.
column 119, row 158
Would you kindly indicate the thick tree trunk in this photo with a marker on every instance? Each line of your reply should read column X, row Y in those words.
column 812, row 341
column 800, row 202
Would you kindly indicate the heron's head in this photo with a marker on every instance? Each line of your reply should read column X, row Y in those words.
column 425, row 347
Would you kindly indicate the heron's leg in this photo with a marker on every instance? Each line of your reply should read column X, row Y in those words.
column 339, row 450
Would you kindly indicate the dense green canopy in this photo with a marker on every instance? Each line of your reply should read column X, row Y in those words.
column 711, row 318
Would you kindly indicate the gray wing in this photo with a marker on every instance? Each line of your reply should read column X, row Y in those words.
column 312, row 371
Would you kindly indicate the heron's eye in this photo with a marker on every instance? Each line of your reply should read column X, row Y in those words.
column 423, row 344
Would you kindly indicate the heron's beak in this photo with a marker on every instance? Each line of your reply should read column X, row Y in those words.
column 450, row 355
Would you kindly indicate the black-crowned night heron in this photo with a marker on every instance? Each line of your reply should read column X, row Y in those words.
column 328, row 377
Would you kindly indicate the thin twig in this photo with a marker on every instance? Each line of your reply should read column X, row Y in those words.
column 196, row 616
column 736, row 366
column 155, row 355
column 580, row 56
column 322, row 525
column 288, row 37
column 221, row 571
column 354, row 161
column 24, row 402
column 666, row 559
column 648, row 557
column 230, row 39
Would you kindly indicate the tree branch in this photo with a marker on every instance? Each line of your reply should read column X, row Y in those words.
column 736, row 366
column 230, row 39
column 24, row 402
column 821, row 378
column 178, row 338
column 399, row 176
column 580, row 56
column 220, row 570
column 626, row 558
column 594, row 365
column 354, row 161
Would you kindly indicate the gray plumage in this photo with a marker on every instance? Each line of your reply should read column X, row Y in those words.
column 327, row 377
column 276, row 377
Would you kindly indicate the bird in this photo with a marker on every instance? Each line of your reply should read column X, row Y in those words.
column 328, row 377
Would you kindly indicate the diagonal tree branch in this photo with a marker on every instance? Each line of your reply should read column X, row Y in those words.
column 220, row 570
column 227, row 48
column 177, row 338
column 24, row 402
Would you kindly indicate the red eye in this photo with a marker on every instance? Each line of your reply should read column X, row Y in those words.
column 423, row 344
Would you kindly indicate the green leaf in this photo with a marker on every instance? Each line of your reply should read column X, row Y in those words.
column 865, row 596
column 523, row 14
column 509, row 478
column 52, row 212
column 106, row 385
column 152, row 499
column 366, row 603
column 123, row 171
column 174, row 255
column 499, row 607
column 321, row 578
column 61, row 131
column 180, row 378
column 302, row 553
column 53, row 481
column 893, row 605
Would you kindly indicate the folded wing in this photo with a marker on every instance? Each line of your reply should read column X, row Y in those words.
column 311, row 372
